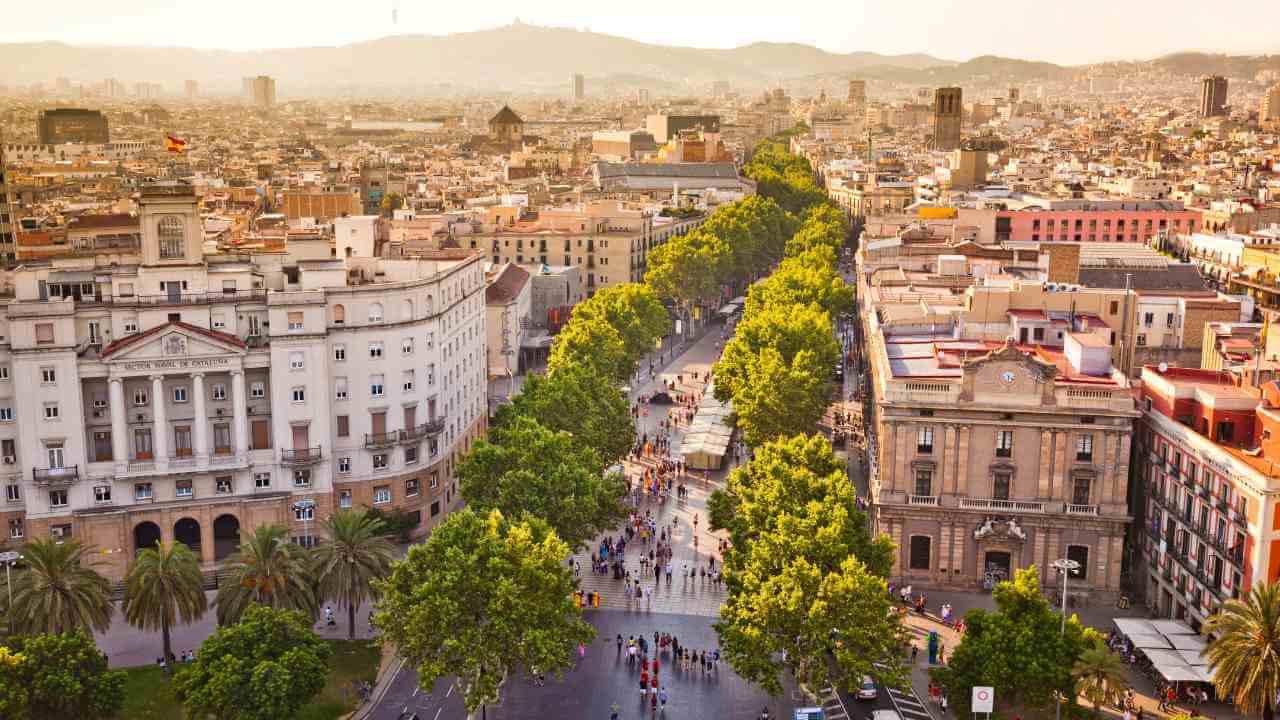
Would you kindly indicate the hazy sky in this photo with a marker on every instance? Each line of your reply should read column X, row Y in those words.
column 1063, row 31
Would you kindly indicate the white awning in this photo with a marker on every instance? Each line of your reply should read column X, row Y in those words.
column 1134, row 626
column 1149, row 641
column 1172, row 627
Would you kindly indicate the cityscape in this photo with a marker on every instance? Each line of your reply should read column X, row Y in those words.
column 708, row 366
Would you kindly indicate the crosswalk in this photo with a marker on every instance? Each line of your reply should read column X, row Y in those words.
column 908, row 705
column 684, row 596
column 832, row 707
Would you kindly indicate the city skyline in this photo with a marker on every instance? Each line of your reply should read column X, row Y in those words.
column 946, row 31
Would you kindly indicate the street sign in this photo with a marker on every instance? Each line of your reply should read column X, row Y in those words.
column 809, row 713
column 984, row 699
column 8, row 557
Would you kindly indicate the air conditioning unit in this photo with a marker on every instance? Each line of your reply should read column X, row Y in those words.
column 59, row 531
column 9, row 460
column 220, row 411
column 100, row 404
column 97, row 413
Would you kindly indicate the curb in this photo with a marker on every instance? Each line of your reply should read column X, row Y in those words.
column 379, row 691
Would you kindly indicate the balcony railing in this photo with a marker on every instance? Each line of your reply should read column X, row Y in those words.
column 380, row 440
column 1014, row 506
column 435, row 426
column 300, row 456
column 1074, row 509
column 924, row 500
column 55, row 475
column 198, row 298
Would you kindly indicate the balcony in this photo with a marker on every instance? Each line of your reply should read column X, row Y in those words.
column 1222, row 505
column 923, row 392
column 1202, row 491
column 923, row 500
column 300, row 456
column 1075, row 509
column 55, row 475
column 1010, row 506
column 432, row 427
column 381, row 440
column 198, row 298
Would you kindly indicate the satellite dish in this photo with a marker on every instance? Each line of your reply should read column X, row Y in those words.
column 1164, row 367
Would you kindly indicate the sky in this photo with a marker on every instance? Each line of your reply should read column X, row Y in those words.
column 1061, row 31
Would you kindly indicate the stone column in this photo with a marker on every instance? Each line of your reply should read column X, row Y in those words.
column 888, row 468
column 1103, row 496
column 1037, row 553
column 1113, row 569
column 119, row 426
column 1120, row 478
column 1057, row 489
column 160, row 422
column 962, row 463
column 948, row 437
column 239, row 413
column 200, row 424
column 943, row 566
column 904, row 480
column 206, row 540
column 1045, row 487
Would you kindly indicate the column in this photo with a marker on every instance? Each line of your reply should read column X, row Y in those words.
column 895, row 532
column 904, row 479
column 1037, row 556
column 206, row 539
column 160, row 422
column 200, row 431
column 1103, row 497
column 1056, row 489
column 119, row 426
column 959, row 537
column 948, row 437
column 1044, row 488
column 1101, row 560
column 943, row 566
column 1054, row 552
column 1120, row 478
column 888, row 468
column 239, row 413
column 1113, row 569
column 962, row 464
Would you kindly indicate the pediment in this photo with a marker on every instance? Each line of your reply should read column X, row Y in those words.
column 1009, row 359
column 177, row 342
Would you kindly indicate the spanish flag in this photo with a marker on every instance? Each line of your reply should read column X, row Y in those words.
column 174, row 145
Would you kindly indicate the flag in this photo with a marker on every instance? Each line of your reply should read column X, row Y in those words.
column 174, row 145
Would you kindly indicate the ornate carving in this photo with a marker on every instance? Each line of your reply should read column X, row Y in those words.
column 175, row 344
column 1040, row 370
column 998, row 529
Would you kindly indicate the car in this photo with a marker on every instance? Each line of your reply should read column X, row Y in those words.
column 839, row 371
column 661, row 398
column 867, row 689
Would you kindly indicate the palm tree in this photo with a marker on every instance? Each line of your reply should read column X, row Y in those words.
column 164, row 586
column 269, row 570
column 1245, row 650
column 59, row 591
column 1099, row 676
column 357, row 553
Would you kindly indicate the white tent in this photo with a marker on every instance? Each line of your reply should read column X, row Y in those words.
column 1172, row 627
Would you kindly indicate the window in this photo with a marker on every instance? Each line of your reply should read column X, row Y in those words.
column 48, row 376
column 223, row 485
column 13, row 493
column 924, row 440
column 6, row 414
column 924, row 482
column 180, row 394
column 1004, row 443
column 408, row 381
column 4, row 372
column 344, row 498
column 411, row 454
column 55, row 454
column 51, row 411
column 344, row 465
column 382, row 495
column 375, row 350
column 344, row 426
column 376, row 383
column 302, row 478
column 340, row 388
column 1080, row 490
column 1168, row 319
column 183, row 489
column 139, row 397
column 1226, row 431
column 339, row 315
column 258, row 390
column 435, row 480
column 380, row 461
column 340, row 353
column 44, row 333
column 296, row 323
column 142, row 491
column 1084, row 448
column 304, row 513
column 406, row 346
column 297, row 361
column 170, row 231
column 1079, row 553
column 375, row 312
column 1000, row 485
column 262, row 480
column 130, row 327
column 299, row 394
column 435, row 509
column 16, row 530
column 411, row 487
column 921, row 545
column 218, row 321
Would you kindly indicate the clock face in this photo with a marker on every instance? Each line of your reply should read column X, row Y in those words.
column 1007, row 376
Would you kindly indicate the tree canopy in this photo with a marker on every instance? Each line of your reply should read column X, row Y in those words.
column 594, row 344
column 483, row 598
column 633, row 309
column 59, row 590
column 807, row 278
column 578, row 400
column 57, row 677
column 1245, row 650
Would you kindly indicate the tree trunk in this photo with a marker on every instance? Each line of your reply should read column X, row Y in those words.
column 351, row 621
column 164, row 634
column 1268, row 712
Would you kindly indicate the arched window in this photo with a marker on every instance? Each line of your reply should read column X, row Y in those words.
column 408, row 309
column 339, row 315
column 170, row 231
column 375, row 312
column 431, row 304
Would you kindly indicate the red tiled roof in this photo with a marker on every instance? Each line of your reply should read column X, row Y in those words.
column 507, row 285
column 130, row 340
column 111, row 220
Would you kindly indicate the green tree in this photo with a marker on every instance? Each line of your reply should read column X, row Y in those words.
column 579, row 400
column 59, row 591
column 356, row 553
column 164, row 587
column 58, row 676
column 809, row 277
column 1019, row 648
column 1099, row 675
column 392, row 202
column 687, row 269
column 633, row 310
column 592, row 344
column 483, row 598
column 776, row 398
column 1244, row 650
column 526, row 468
column 791, row 330
column 264, row 667
column 266, row 570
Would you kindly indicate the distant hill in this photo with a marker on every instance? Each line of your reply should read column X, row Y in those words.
column 1197, row 63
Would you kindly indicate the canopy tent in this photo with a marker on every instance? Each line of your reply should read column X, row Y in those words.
column 1172, row 647
column 1172, row 627
column 1134, row 626
column 1189, row 642
column 1179, row 673
column 1191, row 657
column 707, row 440
column 729, row 309
column 1164, row 657
column 1149, row 642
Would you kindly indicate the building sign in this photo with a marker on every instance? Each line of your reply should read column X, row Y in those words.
column 984, row 699
column 180, row 364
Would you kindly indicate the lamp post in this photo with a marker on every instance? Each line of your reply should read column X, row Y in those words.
column 1066, row 566
column 9, row 558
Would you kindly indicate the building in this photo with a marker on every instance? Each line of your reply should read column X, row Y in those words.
column 508, row 315
column 948, row 110
column 8, row 220
column 969, row 169
column 857, row 96
column 1207, row 482
column 623, row 144
column 322, row 205
column 577, row 86
column 506, row 127
column 671, row 177
column 1269, row 108
column 191, row 89
column 263, row 91
column 71, row 125
column 1095, row 220
column 188, row 397
column 1213, row 96
column 664, row 127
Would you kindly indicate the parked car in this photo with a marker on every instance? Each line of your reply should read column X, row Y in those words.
column 867, row 689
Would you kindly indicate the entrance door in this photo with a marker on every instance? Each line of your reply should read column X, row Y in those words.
column 998, row 565
column 300, row 437
column 101, row 446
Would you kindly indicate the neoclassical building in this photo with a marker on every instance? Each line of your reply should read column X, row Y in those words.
column 169, row 392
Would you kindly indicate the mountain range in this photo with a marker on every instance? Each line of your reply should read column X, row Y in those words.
column 521, row 57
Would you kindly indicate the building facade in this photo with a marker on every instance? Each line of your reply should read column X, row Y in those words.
column 1213, row 96
column 948, row 110
column 72, row 125
column 184, row 397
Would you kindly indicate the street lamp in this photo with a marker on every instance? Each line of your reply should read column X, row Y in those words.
column 1066, row 566
column 9, row 559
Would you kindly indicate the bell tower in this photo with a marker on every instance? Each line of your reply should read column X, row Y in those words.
column 172, row 233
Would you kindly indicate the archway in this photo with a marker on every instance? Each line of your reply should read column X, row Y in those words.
column 145, row 535
column 187, row 532
column 998, row 565
column 226, row 536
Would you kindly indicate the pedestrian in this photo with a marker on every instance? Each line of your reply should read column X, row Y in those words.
column 915, row 650
column 619, row 643
column 662, row 697
column 644, row 682
column 582, row 652
column 942, row 703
